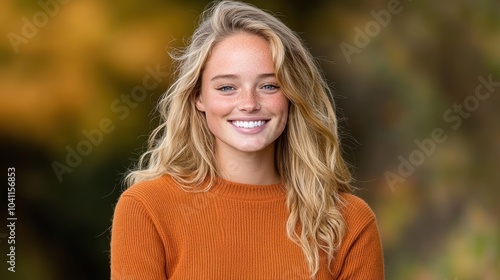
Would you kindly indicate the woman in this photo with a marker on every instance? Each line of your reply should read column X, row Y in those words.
column 244, row 178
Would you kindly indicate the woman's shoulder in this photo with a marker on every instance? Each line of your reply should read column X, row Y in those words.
column 356, row 212
column 154, row 191
column 153, row 185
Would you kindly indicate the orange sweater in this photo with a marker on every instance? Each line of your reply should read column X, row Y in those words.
column 233, row 231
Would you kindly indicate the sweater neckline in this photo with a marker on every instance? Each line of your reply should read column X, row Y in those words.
column 240, row 191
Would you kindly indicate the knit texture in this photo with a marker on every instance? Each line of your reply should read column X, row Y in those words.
column 233, row 231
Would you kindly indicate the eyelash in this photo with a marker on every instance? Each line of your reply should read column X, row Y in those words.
column 274, row 86
column 225, row 88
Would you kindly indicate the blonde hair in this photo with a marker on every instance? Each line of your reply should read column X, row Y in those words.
column 308, row 155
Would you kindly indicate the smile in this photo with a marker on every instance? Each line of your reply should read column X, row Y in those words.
column 248, row 124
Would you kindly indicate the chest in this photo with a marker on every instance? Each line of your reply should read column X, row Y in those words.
column 225, row 240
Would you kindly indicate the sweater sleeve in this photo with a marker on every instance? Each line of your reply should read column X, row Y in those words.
column 363, row 259
column 136, row 249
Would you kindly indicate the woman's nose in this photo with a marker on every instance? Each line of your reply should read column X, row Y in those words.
column 248, row 100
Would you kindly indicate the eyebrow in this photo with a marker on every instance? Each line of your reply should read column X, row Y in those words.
column 233, row 76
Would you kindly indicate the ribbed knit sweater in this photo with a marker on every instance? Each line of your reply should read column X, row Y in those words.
column 233, row 231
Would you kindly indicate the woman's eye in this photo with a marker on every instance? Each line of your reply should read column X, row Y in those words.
column 225, row 88
column 270, row 87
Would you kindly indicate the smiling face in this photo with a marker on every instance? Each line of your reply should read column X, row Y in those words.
column 240, row 96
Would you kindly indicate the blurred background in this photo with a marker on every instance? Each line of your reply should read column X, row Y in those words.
column 416, row 86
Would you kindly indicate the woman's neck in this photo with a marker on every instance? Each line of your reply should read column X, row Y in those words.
column 253, row 168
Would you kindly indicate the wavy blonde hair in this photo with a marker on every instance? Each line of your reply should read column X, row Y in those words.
column 308, row 155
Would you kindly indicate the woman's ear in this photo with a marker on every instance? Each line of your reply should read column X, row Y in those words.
column 199, row 104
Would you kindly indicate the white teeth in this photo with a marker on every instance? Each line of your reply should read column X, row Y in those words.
column 250, row 124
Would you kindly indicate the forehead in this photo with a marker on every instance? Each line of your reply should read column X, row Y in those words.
column 241, row 50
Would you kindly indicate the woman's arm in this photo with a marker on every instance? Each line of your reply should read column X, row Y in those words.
column 364, row 260
column 360, row 256
column 136, row 248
